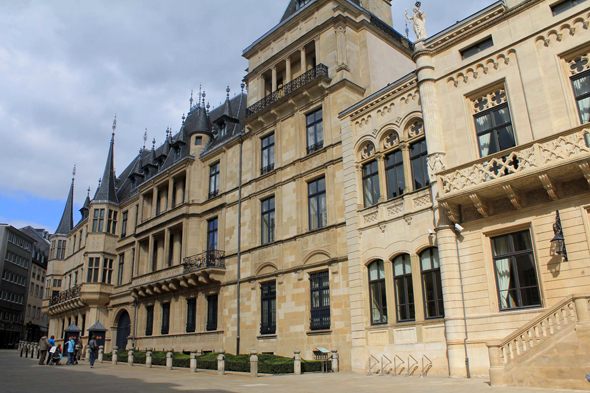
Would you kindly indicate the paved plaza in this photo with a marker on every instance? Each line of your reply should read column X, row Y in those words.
column 24, row 375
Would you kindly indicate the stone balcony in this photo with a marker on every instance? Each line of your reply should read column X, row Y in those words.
column 201, row 269
column 77, row 297
column 546, row 169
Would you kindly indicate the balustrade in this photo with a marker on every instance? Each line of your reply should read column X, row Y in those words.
column 66, row 295
column 206, row 260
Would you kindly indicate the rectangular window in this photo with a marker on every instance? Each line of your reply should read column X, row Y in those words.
column 320, row 301
column 121, row 267
column 516, row 271
column 61, row 249
column 93, row 268
column 394, row 171
column 36, row 290
column 212, row 301
column 213, row 180
column 74, row 245
column 581, row 84
column 404, row 288
column 268, row 220
column 418, row 158
column 212, row 235
column 479, row 47
column 267, row 154
column 315, row 131
column 318, row 211
column 98, row 221
column 268, row 296
column 124, row 224
column 155, row 256
column 107, row 271
column 149, row 323
column 494, row 130
column 371, row 183
column 191, row 315
column 165, row 318
column 432, row 284
column 112, row 222
column 564, row 6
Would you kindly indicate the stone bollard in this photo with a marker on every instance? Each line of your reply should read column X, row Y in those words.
column 115, row 356
column 221, row 362
column 88, row 354
column 297, row 362
column 101, row 354
column 193, row 361
column 35, row 351
column 253, row 364
column 26, row 350
column 335, row 361
column 130, row 355
column 20, row 345
column 169, row 358
column 148, row 358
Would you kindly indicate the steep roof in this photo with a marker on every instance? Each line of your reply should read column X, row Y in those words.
column 67, row 219
column 107, row 191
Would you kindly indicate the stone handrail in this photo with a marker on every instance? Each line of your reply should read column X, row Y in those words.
column 567, row 145
column 66, row 295
column 568, row 312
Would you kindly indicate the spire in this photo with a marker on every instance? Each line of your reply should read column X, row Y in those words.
column 86, row 208
column 67, row 219
column 190, row 107
column 227, row 105
column 106, row 192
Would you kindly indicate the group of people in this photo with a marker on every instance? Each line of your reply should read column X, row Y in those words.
column 72, row 349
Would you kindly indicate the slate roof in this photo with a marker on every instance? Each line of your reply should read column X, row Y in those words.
column 107, row 191
column 292, row 8
column 97, row 327
column 67, row 219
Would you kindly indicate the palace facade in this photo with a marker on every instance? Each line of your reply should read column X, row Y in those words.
column 426, row 202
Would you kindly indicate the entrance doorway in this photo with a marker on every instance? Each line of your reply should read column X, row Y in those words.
column 123, row 330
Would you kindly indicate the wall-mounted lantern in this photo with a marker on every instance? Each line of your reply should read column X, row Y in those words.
column 558, row 241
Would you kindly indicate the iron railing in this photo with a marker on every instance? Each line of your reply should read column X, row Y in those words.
column 268, row 329
column 316, row 72
column 206, row 260
column 213, row 194
column 320, row 318
column 66, row 295
column 315, row 147
column 390, row 31
column 268, row 168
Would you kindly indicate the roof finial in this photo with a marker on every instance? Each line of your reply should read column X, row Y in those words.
column 208, row 106
column 88, row 192
column 191, row 101
column 114, row 126
column 145, row 138
column 200, row 94
column 204, row 95
column 154, row 144
column 227, row 91
column 99, row 182
column 183, row 118
column 242, row 86
column 74, row 173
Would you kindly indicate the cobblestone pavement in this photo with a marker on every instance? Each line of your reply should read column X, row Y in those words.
column 24, row 375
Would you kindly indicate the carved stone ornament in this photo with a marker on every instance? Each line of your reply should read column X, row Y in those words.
column 416, row 129
column 391, row 140
column 368, row 151
column 436, row 164
column 418, row 22
column 579, row 64
column 490, row 100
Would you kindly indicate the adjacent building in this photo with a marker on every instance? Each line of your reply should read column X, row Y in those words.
column 385, row 198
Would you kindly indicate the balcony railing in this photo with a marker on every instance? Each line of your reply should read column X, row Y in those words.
column 316, row 72
column 206, row 260
column 268, row 168
column 66, row 295
column 390, row 31
column 555, row 150
column 315, row 147
column 213, row 194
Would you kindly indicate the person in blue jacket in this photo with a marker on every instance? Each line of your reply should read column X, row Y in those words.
column 71, row 345
column 51, row 345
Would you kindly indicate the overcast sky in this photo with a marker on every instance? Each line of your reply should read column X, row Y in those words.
column 67, row 66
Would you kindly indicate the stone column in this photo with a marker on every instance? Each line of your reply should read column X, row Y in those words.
column 496, row 366
column 193, row 361
column 582, row 310
column 317, row 49
column 130, row 356
column 140, row 208
column 297, row 362
column 335, row 361
column 167, row 261
column 405, row 148
column 169, row 358
column 288, row 70
column 101, row 354
column 115, row 356
column 274, row 78
column 221, row 362
column 150, row 254
column 154, row 201
column 382, row 178
column 303, row 61
column 148, row 358
column 171, row 194
column 253, row 364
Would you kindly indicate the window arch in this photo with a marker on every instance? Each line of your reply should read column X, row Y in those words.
column 378, row 294
column 404, row 288
column 432, row 284
column 371, row 187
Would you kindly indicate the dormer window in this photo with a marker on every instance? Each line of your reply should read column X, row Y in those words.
column 300, row 4
column 222, row 129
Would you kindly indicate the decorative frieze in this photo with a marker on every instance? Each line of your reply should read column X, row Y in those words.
column 489, row 100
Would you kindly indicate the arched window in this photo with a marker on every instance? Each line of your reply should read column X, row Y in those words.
column 432, row 284
column 404, row 288
column 378, row 293
column 371, row 183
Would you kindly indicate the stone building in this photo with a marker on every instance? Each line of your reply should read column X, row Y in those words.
column 385, row 198
column 15, row 263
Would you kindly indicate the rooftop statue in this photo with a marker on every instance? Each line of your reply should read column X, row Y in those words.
column 419, row 21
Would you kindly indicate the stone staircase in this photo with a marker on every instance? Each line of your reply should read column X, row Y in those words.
column 552, row 351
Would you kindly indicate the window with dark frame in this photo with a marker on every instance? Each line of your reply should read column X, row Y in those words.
column 371, row 186
column 268, row 220
column 155, row 256
column 124, row 224
column 212, row 226
column 476, row 48
column 165, row 318
column 378, row 293
column 394, row 172
column 98, row 220
column 404, row 288
column 93, row 269
column 318, row 210
column 212, row 303
column 191, row 315
column 268, row 298
column 267, row 154
column 149, row 323
column 494, row 130
column 107, row 271
column 581, row 85
column 320, row 301
column 564, row 6
column 300, row 3
column 419, row 161
column 121, row 267
column 315, row 131
column 432, row 284
column 213, row 180
column 112, row 222
column 516, row 271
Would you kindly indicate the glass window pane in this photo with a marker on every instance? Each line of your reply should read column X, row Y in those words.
column 323, row 211
column 426, row 260
column 522, row 241
column 502, row 116
column 584, row 108
column 581, row 86
column 483, row 123
column 506, row 138
column 311, row 136
column 501, row 245
column 373, row 271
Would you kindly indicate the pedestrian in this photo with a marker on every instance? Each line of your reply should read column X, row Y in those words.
column 51, row 345
column 93, row 346
column 44, row 346
column 56, row 355
column 77, row 350
column 70, row 351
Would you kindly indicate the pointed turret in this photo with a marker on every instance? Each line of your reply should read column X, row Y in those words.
column 85, row 210
column 67, row 219
column 107, row 191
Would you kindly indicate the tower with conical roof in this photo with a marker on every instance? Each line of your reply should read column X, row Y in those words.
column 66, row 223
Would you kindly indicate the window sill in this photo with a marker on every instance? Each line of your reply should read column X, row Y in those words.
column 267, row 337
column 319, row 332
